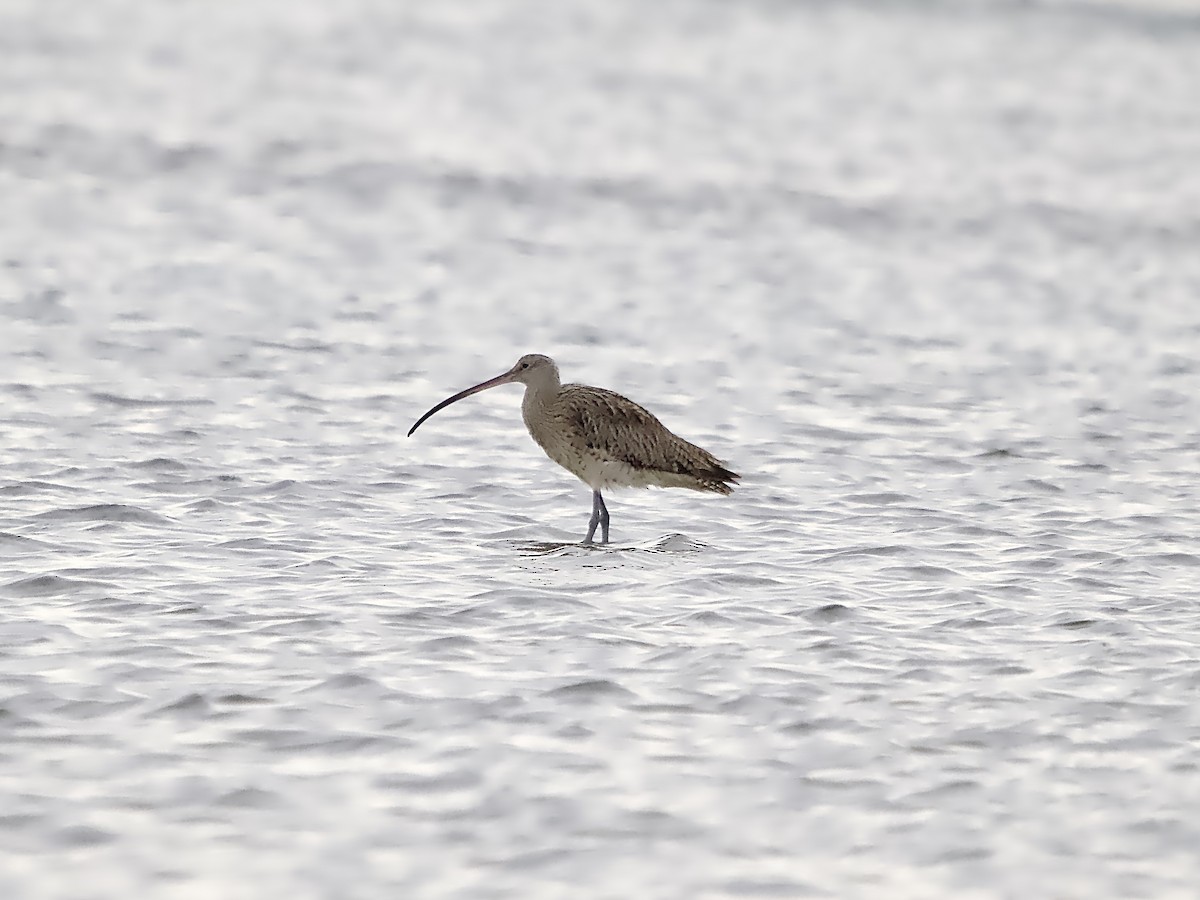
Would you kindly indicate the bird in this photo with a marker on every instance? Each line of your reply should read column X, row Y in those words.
column 602, row 438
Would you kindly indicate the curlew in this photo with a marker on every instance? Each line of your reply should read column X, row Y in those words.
column 603, row 439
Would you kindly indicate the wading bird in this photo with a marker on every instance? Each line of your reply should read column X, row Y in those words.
column 602, row 438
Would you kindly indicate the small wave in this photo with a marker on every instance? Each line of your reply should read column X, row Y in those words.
column 668, row 543
column 32, row 487
column 135, row 402
column 1042, row 485
column 105, row 512
column 998, row 453
column 884, row 498
column 594, row 689
column 7, row 539
column 830, row 612
column 188, row 703
column 1176, row 559
column 347, row 681
column 255, row 543
column 868, row 551
column 241, row 700
column 920, row 572
column 161, row 464
column 249, row 798
column 46, row 586
column 84, row 836
column 675, row 543
column 285, row 486
column 706, row 617
column 545, row 548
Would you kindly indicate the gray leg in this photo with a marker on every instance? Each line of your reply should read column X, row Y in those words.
column 603, row 519
column 599, row 517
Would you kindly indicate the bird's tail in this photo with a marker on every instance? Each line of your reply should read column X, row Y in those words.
column 717, row 479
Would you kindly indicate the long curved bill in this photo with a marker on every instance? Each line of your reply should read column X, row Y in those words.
column 506, row 378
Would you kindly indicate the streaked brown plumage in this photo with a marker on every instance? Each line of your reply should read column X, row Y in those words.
column 604, row 439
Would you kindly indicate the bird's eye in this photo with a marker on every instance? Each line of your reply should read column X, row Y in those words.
column 524, row 365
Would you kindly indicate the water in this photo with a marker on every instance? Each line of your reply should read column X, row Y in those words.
column 924, row 273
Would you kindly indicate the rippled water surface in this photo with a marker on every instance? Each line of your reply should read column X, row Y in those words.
column 926, row 274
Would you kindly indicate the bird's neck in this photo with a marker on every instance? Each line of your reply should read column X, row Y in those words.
column 539, row 395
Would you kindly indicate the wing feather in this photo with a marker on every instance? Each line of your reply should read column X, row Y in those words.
column 618, row 429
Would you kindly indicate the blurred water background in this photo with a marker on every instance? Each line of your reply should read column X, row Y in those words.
column 926, row 273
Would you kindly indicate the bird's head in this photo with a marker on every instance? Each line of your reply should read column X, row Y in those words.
column 533, row 368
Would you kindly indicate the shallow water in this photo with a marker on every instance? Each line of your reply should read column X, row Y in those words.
column 925, row 274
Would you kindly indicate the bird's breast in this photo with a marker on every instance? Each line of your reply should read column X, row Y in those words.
column 558, row 434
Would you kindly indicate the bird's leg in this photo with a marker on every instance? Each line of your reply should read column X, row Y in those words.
column 595, row 519
column 599, row 517
column 603, row 518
